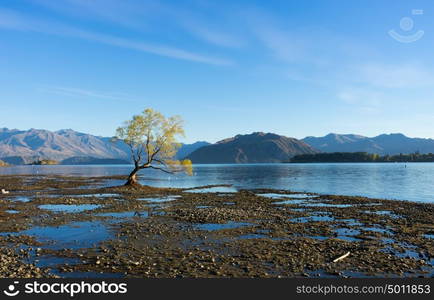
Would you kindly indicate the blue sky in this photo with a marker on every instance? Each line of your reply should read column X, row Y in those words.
column 295, row 68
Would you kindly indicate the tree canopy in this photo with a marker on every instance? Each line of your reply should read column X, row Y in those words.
column 152, row 139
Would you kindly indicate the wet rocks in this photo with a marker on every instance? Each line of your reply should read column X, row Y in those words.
column 11, row 266
column 169, row 242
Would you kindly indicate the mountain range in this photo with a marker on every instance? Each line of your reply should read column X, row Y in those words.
column 383, row 144
column 72, row 147
column 68, row 146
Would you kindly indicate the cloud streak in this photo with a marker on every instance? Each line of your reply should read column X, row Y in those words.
column 14, row 21
column 79, row 92
column 407, row 75
column 139, row 15
column 283, row 46
column 125, row 13
column 212, row 36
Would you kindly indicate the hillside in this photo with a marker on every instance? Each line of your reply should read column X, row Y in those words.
column 257, row 147
column 186, row 149
column 26, row 146
column 383, row 144
column 57, row 145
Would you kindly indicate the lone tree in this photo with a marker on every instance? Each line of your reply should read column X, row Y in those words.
column 153, row 144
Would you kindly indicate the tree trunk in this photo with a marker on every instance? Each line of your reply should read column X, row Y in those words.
column 132, row 178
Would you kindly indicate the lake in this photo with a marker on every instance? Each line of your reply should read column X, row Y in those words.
column 411, row 181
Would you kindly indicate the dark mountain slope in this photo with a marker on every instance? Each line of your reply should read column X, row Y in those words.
column 257, row 147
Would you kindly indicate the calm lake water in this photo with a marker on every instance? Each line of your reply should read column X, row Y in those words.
column 411, row 181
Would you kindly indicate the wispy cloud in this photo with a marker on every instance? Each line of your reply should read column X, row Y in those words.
column 84, row 93
column 15, row 21
column 212, row 36
column 400, row 75
column 366, row 100
column 139, row 15
column 353, row 95
column 288, row 43
column 370, row 86
column 126, row 13
column 282, row 45
column 198, row 25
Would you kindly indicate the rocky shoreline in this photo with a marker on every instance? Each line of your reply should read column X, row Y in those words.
column 60, row 226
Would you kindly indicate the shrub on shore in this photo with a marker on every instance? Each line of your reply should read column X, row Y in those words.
column 45, row 162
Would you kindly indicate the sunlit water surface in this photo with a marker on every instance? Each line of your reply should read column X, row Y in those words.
column 411, row 181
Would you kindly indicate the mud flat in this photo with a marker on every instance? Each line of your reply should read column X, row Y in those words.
column 57, row 226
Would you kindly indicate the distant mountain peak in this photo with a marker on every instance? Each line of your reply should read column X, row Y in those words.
column 69, row 130
column 332, row 134
column 257, row 133
column 249, row 136
column 257, row 147
column 391, row 143
column 392, row 135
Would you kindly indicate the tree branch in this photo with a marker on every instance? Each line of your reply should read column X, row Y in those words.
column 133, row 154
column 147, row 143
column 139, row 153
column 161, row 162
column 153, row 155
column 161, row 169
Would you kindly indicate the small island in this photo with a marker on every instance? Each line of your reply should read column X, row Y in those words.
column 44, row 162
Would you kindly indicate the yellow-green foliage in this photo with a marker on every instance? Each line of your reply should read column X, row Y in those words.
column 48, row 162
column 3, row 164
column 45, row 162
column 152, row 139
